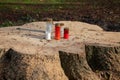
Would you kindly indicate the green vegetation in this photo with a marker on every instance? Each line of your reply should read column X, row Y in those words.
column 31, row 1
column 7, row 23
column 58, row 1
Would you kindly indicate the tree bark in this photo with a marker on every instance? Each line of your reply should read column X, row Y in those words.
column 20, row 66
column 105, row 60
column 76, row 67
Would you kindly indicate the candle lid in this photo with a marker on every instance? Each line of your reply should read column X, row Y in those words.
column 66, row 28
column 61, row 24
column 57, row 24
column 49, row 20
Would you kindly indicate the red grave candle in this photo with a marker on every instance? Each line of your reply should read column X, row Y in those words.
column 57, row 31
column 66, row 33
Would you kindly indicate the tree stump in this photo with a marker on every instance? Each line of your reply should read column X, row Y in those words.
column 104, row 60
column 75, row 67
column 20, row 66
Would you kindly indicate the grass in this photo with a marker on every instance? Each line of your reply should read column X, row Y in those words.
column 59, row 1
column 32, row 1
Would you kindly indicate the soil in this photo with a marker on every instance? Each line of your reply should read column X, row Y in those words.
column 105, row 15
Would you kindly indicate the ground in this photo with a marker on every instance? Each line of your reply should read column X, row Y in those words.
column 105, row 14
